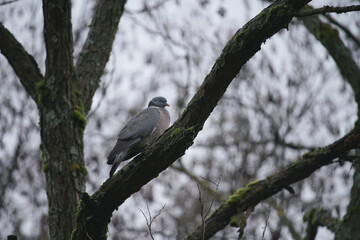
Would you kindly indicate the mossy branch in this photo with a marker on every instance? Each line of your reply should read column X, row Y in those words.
column 259, row 190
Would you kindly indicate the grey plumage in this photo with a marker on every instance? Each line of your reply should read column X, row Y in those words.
column 140, row 131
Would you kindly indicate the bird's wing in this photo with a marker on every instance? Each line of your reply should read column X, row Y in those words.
column 142, row 125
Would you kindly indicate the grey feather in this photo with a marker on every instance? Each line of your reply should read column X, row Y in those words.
column 140, row 131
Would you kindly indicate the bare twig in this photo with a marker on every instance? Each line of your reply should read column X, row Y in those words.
column 284, row 219
column 146, row 8
column 203, row 211
column 202, row 183
column 150, row 221
column 266, row 223
column 327, row 9
column 8, row 2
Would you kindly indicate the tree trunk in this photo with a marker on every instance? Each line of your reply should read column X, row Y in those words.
column 62, row 121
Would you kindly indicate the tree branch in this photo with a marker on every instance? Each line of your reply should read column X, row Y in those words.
column 22, row 62
column 94, row 217
column 260, row 190
column 348, row 33
column 330, row 39
column 96, row 50
column 327, row 9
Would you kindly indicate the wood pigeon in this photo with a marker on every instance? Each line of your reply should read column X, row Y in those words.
column 141, row 130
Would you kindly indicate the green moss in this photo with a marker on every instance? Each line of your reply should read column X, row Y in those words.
column 233, row 223
column 40, row 85
column 294, row 164
column 326, row 31
column 41, row 150
column 237, row 38
column 175, row 132
column 78, row 168
column 239, row 194
column 45, row 167
column 276, row 10
column 77, row 92
column 80, row 119
column 80, row 107
column 41, row 90
column 236, row 197
column 308, row 215
column 262, row 14
column 191, row 130
column 253, row 183
column 314, row 153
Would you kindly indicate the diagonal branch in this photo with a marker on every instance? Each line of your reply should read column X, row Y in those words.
column 96, row 50
column 22, row 62
column 330, row 39
column 345, row 29
column 327, row 9
column 95, row 212
column 260, row 190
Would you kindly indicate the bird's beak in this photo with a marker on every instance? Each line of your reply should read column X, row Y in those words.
column 167, row 104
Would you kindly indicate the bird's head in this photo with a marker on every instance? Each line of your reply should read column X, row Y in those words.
column 158, row 102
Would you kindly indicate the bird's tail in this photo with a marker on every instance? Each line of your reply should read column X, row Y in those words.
column 113, row 168
column 118, row 159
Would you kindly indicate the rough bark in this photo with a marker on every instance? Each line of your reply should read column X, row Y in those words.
column 61, row 122
column 95, row 212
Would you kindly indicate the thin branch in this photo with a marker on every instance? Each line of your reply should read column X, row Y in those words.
column 266, row 223
column 202, row 183
column 150, row 221
column 327, row 9
column 201, row 211
column 8, row 2
column 146, row 8
column 21, row 61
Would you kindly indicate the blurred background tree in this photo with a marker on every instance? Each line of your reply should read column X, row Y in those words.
column 291, row 97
